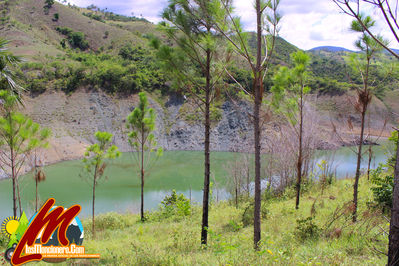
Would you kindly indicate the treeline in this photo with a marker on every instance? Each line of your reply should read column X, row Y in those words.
column 132, row 70
column 103, row 14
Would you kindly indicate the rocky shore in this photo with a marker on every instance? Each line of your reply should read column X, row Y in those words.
column 75, row 118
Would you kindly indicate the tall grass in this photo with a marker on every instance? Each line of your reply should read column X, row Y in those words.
column 335, row 240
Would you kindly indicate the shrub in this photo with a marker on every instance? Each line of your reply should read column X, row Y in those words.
column 248, row 215
column 77, row 39
column 63, row 43
column 108, row 76
column 216, row 114
column 37, row 86
column 129, row 52
column 56, row 17
column 306, row 229
column 232, row 226
column 3, row 240
column 175, row 205
column 49, row 3
column 383, row 187
column 32, row 66
column 94, row 16
column 64, row 30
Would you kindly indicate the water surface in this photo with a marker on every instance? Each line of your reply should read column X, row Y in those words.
column 120, row 190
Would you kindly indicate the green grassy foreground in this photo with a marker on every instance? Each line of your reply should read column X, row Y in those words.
column 124, row 240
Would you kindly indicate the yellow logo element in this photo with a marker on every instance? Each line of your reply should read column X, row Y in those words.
column 10, row 226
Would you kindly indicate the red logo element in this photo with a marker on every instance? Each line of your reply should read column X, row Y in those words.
column 48, row 222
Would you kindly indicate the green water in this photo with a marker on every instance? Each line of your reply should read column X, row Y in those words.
column 120, row 191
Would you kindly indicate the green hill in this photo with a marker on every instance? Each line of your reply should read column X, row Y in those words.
column 67, row 47
column 29, row 28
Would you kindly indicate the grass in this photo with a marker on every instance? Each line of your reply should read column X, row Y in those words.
column 33, row 31
column 123, row 240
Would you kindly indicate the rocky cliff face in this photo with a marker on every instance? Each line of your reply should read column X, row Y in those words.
column 75, row 118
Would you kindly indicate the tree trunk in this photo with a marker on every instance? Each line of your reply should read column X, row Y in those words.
column 248, row 179
column 36, row 182
column 393, row 249
column 205, row 199
column 142, row 181
column 94, row 200
column 19, row 197
column 299, row 162
column 369, row 164
column 14, row 184
column 257, row 222
column 236, row 197
column 14, row 197
column 359, row 161
column 257, row 131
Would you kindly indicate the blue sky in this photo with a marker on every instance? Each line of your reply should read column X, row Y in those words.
column 305, row 23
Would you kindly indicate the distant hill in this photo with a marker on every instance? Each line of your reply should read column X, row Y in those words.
column 113, row 53
column 389, row 54
column 330, row 49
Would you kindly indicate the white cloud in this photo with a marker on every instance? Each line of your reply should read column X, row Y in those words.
column 305, row 23
column 150, row 9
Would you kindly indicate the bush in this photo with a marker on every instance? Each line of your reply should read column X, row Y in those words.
column 32, row 66
column 3, row 241
column 232, row 226
column 49, row 3
column 307, row 229
column 64, row 30
column 216, row 114
column 129, row 52
column 37, row 86
column 77, row 39
column 248, row 215
column 175, row 205
column 383, row 187
column 94, row 16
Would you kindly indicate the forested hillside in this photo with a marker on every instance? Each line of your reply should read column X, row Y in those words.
column 67, row 47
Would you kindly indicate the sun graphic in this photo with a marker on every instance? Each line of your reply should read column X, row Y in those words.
column 10, row 226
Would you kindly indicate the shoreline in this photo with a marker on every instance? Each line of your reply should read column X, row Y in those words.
column 75, row 158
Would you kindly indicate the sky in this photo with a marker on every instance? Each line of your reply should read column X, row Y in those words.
column 305, row 23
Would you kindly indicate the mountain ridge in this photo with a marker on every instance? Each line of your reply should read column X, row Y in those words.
column 329, row 48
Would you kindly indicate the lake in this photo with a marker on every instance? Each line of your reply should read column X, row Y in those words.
column 120, row 191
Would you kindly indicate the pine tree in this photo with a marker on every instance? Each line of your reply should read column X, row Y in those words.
column 361, row 64
column 94, row 163
column 267, row 20
column 289, row 92
column 19, row 135
column 141, row 122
